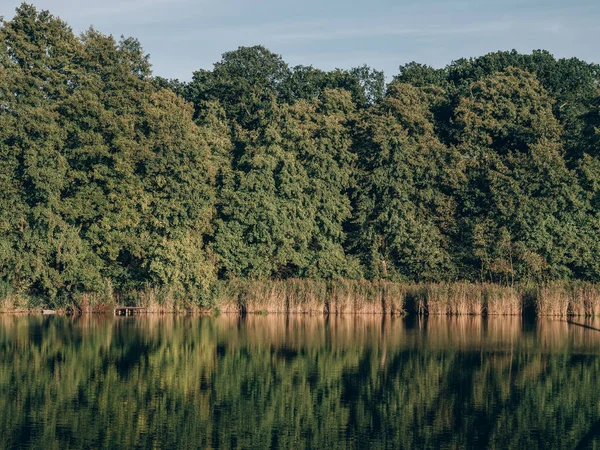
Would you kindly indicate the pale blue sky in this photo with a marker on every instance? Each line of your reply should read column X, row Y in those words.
column 184, row 35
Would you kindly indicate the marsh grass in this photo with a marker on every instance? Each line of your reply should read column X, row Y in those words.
column 364, row 297
column 162, row 301
column 561, row 299
column 334, row 297
column 461, row 298
column 437, row 299
column 14, row 303
column 97, row 302
column 250, row 297
column 503, row 300
column 10, row 301
column 304, row 296
column 299, row 296
column 584, row 299
column 553, row 299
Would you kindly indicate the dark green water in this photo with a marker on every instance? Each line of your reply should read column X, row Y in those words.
column 298, row 382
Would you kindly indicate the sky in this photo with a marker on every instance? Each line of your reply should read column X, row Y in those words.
column 182, row 36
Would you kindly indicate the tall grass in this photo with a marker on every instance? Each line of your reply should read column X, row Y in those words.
column 333, row 297
column 383, row 297
column 563, row 299
column 454, row 299
column 461, row 298
column 553, row 299
column 14, row 303
column 311, row 297
column 503, row 300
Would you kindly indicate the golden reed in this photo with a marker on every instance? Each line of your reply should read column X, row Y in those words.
column 312, row 297
column 462, row 298
column 304, row 296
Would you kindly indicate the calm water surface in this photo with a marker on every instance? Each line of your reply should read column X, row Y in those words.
column 298, row 382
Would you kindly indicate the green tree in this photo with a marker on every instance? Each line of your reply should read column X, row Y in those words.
column 45, row 253
column 106, row 178
column 365, row 85
column 519, row 203
column 245, row 82
column 282, row 210
column 403, row 216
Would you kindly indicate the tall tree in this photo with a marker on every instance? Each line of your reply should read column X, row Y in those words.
column 402, row 215
column 521, row 208
column 106, row 177
column 281, row 213
column 245, row 81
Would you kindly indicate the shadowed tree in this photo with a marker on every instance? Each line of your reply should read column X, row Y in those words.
column 521, row 205
column 402, row 214
column 281, row 212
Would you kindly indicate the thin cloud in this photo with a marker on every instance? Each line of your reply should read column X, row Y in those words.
column 380, row 30
column 303, row 31
column 81, row 11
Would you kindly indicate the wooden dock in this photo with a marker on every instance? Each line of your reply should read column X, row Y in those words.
column 129, row 310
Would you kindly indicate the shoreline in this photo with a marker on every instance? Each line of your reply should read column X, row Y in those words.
column 340, row 297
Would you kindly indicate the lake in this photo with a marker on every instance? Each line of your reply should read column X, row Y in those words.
column 298, row 382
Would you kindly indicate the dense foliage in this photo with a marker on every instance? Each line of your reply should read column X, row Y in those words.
column 112, row 179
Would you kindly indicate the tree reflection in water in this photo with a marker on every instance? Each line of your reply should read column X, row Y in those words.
column 298, row 382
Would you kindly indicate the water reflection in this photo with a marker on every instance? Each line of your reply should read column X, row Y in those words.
column 298, row 382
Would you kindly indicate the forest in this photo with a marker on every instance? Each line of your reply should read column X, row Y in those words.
column 114, row 179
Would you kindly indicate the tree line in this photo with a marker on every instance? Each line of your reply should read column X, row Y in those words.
column 487, row 169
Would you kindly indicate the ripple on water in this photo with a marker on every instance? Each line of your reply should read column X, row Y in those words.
column 298, row 382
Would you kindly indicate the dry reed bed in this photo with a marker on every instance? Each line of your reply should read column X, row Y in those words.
column 154, row 300
column 302, row 296
column 568, row 299
column 365, row 297
column 461, row 298
column 557, row 299
column 15, row 304
column 312, row 297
